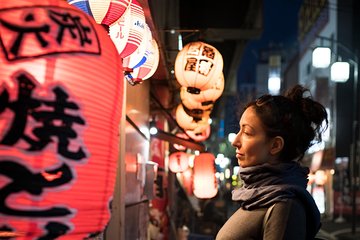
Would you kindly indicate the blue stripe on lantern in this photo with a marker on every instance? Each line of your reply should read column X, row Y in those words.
column 82, row 5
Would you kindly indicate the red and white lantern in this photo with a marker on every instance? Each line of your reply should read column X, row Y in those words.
column 120, row 30
column 204, row 180
column 150, row 65
column 197, row 66
column 138, row 57
column 178, row 162
column 105, row 11
column 137, row 28
column 59, row 124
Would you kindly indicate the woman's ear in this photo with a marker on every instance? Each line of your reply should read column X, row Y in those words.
column 277, row 145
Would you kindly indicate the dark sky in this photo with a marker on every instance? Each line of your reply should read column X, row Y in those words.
column 280, row 25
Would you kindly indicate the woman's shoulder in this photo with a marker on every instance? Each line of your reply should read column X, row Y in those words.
column 290, row 207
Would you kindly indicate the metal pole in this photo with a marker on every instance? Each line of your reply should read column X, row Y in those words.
column 355, row 163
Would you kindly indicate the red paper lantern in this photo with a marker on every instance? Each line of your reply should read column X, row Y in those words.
column 104, row 11
column 178, row 162
column 59, row 129
column 205, row 185
column 197, row 66
column 128, row 32
column 186, row 180
column 205, row 99
column 201, row 133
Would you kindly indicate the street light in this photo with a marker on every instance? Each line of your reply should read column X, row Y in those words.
column 340, row 72
column 321, row 57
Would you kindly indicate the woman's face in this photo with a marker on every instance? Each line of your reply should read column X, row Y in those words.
column 252, row 145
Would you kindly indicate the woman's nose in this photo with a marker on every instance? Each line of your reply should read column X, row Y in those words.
column 236, row 141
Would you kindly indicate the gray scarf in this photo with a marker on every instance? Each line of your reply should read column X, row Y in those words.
column 267, row 184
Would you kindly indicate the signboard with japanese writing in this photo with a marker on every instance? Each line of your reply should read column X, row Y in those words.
column 60, row 106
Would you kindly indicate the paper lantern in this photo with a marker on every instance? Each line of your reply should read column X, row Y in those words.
column 197, row 66
column 178, row 146
column 149, row 67
column 138, row 57
column 186, row 121
column 201, row 133
column 186, row 181
column 128, row 32
column 58, row 122
column 178, row 162
column 189, row 102
column 103, row 11
column 206, row 98
column 198, row 114
column 120, row 30
column 204, row 180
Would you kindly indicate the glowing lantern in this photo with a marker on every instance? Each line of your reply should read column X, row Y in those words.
column 197, row 66
column 204, row 180
column 201, row 133
column 149, row 67
column 58, row 122
column 186, row 181
column 186, row 121
column 137, row 58
column 206, row 98
column 120, row 30
column 103, row 11
column 178, row 146
column 178, row 162
column 128, row 32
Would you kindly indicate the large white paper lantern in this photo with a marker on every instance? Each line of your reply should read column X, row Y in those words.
column 197, row 66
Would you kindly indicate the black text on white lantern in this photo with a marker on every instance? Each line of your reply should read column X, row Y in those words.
column 197, row 66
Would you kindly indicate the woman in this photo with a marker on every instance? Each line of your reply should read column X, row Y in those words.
column 275, row 132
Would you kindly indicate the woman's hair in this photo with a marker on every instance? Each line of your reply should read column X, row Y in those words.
column 298, row 119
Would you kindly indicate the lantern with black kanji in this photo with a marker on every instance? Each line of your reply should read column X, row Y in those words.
column 197, row 66
column 204, row 180
column 178, row 162
column 59, row 125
